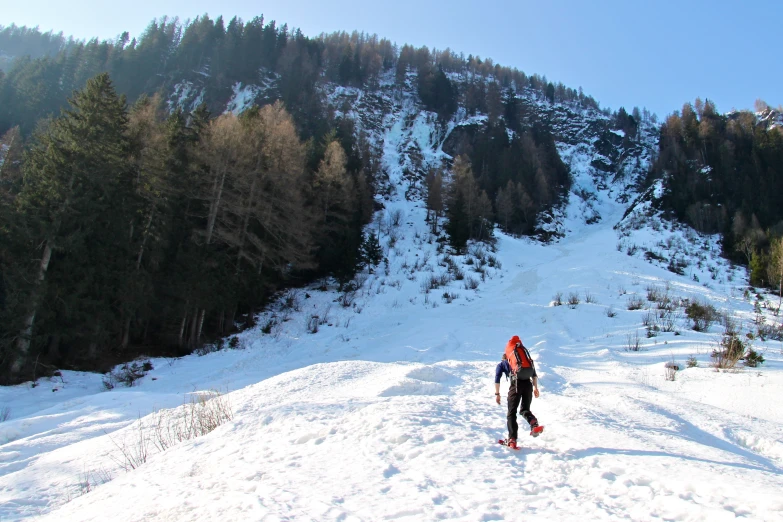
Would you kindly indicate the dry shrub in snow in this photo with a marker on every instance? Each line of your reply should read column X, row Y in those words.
column 165, row 428
column 89, row 480
column 635, row 302
column 633, row 342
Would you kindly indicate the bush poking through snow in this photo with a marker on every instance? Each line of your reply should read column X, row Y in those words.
column 610, row 312
column 136, row 453
column 471, row 283
column 348, row 296
column 268, row 325
column 770, row 331
column 89, row 480
column 590, row 297
column 691, row 362
column 290, row 301
column 5, row 413
column 729, row 352
column 127, row 374
column 635, row 302
column 573, row 300
column 557, row 300
column 208, row 348
column 702, row 315
column 449, row 297
column 632, row 342
column 312, row 324
column 165, row 428
column 434, row 282
column 654, row 294
column 753, row 358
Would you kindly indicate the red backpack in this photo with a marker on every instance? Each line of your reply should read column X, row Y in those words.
column 519, row 359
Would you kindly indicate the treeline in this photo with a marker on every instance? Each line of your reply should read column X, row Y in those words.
column 724, row 174
column 514, row 158
column 24, row 41
column 122, row 228
column 218, row 55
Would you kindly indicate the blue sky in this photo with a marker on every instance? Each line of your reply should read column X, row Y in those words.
column 655, row 54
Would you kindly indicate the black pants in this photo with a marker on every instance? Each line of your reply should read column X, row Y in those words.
column 519, row 391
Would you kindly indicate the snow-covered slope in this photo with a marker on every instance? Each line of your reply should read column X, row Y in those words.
column 377, row 403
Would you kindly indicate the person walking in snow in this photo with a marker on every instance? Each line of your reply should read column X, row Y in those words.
column 519, row 367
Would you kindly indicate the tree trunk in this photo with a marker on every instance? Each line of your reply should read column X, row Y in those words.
column 215, row 206
column 53, row 350
column 231, row 319
column 245, row 224
column 192, row 339
column 182, row 327
column 200, row 325
column 126, row 333
column 26, row 335
column 144, row 238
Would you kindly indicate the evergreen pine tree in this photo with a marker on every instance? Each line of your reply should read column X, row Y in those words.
column 371, row 253
column 79, row 204
column 458, row 225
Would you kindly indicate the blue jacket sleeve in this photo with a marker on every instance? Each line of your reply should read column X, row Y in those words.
column 502, row 368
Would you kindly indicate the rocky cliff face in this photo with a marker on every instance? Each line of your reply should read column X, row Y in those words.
column 409, row 140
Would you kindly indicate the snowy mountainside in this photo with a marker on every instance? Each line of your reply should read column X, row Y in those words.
column 600, row 156
column 376, row 401
column 378, row 404
column 644, row 232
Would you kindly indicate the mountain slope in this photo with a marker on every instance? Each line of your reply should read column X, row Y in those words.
column 387, row 411
column 377, row 403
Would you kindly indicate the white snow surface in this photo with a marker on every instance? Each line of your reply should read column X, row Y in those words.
column 388, row 410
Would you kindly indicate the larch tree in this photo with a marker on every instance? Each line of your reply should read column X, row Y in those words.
column 275, row 228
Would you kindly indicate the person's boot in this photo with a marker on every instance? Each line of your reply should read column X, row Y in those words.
column 512, row 443
column 535, row 429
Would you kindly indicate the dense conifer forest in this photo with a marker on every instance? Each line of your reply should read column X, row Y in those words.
column 723, row 174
